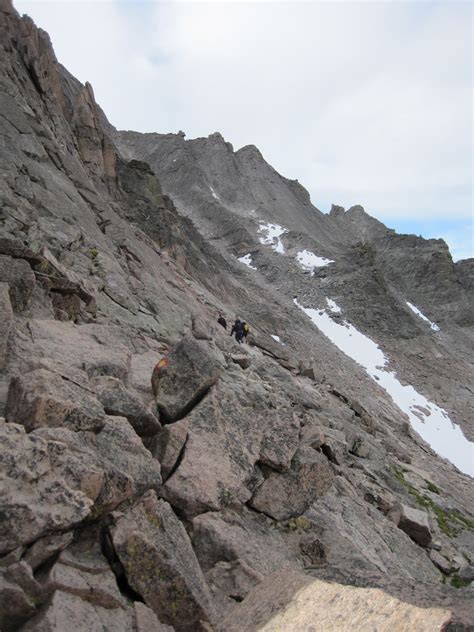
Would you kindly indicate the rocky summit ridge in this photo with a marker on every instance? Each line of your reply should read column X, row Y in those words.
column 155, row 475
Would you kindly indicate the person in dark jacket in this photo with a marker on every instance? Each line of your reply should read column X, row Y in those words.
column 238, row 329
column 222, row 321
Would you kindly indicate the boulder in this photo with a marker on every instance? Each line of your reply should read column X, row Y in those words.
column 236, row 425
column 243, row 360
column 42, row 398
column 97, row 585
column 118, row 401
column 160, row 564
column 413, row 522
column 47, row 547
column 6, row 323
column 97, row 349
column 240, row 534
column 125, row 467
column 52, row 504
column 183, row 378
column 20, row 278
column 15, row 605
column 66, row 611
column 169, row 445
column 291, row 601
column 290, row 493
column 441, row 562
column 232, row 581
column 147, row 621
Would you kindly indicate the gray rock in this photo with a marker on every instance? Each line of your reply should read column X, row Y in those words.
column 67, row 611
column 41, row 398
column 53, row 503
column 20, row 278
column 169, row 445
column 160, row 564
column 413, row 521
column 147, row 621
column 292, row 602
column 289, row 494
column 6, row 322
column 118, row 401
column 45, row 548
column 186, row 375
column 115, row 460
column 15, row 605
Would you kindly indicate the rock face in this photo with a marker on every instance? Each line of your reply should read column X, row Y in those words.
column 293, row 602
column 154, row 474
column 184, row 377
column 413, row 522
column 160, row 564
column 42, row 398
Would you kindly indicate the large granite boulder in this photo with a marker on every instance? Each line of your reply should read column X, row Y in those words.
column 288, row 494
column 413, row 521
column 238, row 424
column 291, row 601
column 126, row 467
column 183, row 377
column 54, row 503
column 119, row 401
column 41, row 398
column 160, row 564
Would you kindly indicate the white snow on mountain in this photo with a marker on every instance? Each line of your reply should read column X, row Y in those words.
column 214, row 194
column 277, row 339
column 309, row 260
column 270, row 236
column 334, row 307
column 247, row 259
column 430, row 421
column 415, row 309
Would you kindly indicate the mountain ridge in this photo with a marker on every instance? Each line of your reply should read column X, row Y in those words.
column 171, row 506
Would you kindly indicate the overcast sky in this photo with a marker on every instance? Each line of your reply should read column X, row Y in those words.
column 365, row 103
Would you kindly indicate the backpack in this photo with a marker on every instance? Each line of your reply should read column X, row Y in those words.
column 246, row 328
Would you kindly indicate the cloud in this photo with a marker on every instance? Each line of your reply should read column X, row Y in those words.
column 366, row 103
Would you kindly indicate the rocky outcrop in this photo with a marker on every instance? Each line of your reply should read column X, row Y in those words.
column 160, row 565
column 183, row 377
column 280, row 454
column 293, row 602
column 41, row 398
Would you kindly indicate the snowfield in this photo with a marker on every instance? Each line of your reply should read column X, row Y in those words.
column 277, row 339
column 247, row 259
column 415, row 309
column 430, row 421
column 214, row 194
column 270, row 236
column 308, row 260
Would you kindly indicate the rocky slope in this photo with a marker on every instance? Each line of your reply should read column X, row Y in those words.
column 157, row 476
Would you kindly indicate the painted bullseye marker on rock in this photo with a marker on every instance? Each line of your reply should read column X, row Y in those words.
column 430, row 421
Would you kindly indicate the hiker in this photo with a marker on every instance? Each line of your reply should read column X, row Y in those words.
column 238, row 329
column 246, row 329
column 222, row 321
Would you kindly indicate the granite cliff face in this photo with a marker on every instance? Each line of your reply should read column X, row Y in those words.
column 157, row 476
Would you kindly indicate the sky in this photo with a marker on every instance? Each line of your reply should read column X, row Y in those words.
column 365, row 103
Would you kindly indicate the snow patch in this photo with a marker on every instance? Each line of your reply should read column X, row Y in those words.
column 247, row 259
column 271, row 234
column 430, row 421
column 309, row 260
column 415, row 309
column 334, row 307
column 277, row 339
column 214, row 194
